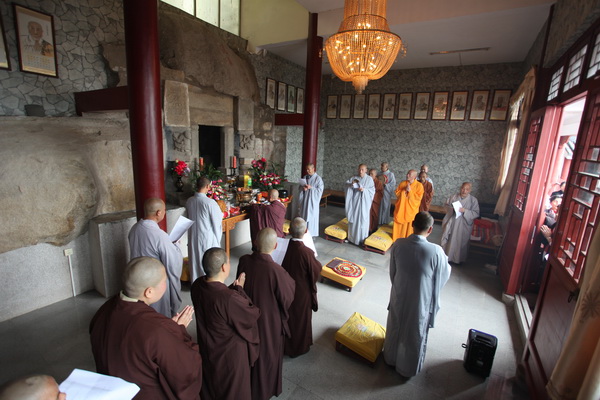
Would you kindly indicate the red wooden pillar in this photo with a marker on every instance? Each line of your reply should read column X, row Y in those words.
column 312, row 96
column 143, row 80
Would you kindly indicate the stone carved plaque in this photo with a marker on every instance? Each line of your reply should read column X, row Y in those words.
column 182, row 141
column 176, row 104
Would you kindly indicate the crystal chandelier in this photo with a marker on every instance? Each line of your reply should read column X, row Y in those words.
column 364, row 48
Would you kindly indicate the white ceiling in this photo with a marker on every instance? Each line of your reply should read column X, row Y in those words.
column 507, row 27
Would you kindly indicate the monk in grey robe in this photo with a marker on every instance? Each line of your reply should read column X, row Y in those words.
column 272, row 290
column 227, row 326
column 388, row 189
column 457, row 231
column 418, row 271
column 132, row 341
column 207, row 229
column 146, row 239
column 359, row 196
column 310, row 198
column 302, row 265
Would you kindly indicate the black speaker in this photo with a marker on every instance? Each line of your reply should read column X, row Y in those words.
column 479, row 352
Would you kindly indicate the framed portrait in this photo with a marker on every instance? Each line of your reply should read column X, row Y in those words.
column 404, row 105
column 4, row 58
column 359, row 106
column 345, row 106
column 35, row 41
column 270, row 93
column 332, row 106
column 422, row 106
column 459, row 106
column 440, row 105
column 281, row 96
column 500, row 105
column 300, row 101
column 479, row 103
column 291, row 98
column 374, row 105
column 389, row 106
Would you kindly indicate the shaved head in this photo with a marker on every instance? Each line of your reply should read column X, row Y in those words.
column 213, row 260
column 202, row 182
column 152, row 205
column 373, row 172
column 266, row 240
column 37, row 387
column 140, row 274
column 298, row 228
column 422, row 222
column 273, row 194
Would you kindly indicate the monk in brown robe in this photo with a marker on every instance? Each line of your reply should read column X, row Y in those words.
column 132, row 341
column 374, row 222
column 300, row 262
column 427, row 192
column 271, row 215
column 409, row 194
column 227, row 326
column 272, row 290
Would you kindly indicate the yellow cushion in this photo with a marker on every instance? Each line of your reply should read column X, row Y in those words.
column 380, row 240
column 339, row 230
column 286, row 226
column 362, row 335
column 389, row 228
column 344, row 280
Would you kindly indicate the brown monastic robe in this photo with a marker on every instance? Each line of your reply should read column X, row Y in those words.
column 267, row 216
column 226, row 322
column 134, row 342
column 374, row 223
column 427, row 196
column 303, row 267
column 272, row 290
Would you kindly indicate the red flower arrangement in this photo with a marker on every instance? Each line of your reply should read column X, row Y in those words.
column 180, row 168
column 263, row 179
column 216, row 191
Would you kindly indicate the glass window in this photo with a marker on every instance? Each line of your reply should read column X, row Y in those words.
column 555, row 84
column 185, row 5
column 575, row 66
column 595, row 61
column 208, row 10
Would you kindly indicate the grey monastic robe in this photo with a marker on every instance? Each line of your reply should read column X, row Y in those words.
column 146, row 239
column 358, row 208
column 309, row 202
column 457, row 231
column 388, row 190
column 206, row 231
column 418, row 271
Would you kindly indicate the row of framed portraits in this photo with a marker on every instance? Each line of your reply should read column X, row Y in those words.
column 35, row 42
column 440, row 106
column 284, row 97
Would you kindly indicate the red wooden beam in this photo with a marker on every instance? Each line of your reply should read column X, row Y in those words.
column 111, row 99
column 289, row 119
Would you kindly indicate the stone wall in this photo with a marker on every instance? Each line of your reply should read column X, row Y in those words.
column 455, row 151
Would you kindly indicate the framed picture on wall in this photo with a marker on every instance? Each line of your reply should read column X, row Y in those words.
column 281, row 96
column 389, row 106
column 422, row 106
column 35, row 41
column 345, row 106
column 270, row 93
column 359, row 106
column 500, row 105
column 4, row 58
column 404, row 105
column 374, row 105
column 440, row 105
column 479, row 105
column 300, row 101
column 459, row 106
column 332, row 106
column 291, row 98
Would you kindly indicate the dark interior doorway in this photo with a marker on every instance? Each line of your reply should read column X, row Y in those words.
column 210, row 144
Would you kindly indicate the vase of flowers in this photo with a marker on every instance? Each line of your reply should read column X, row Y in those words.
column 266, row 179
column 179, row 169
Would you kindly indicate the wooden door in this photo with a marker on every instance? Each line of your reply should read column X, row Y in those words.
column 577, row 223
column 518, row 241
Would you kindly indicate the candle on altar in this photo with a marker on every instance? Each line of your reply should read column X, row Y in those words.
column 201, row 162
column 233, row 162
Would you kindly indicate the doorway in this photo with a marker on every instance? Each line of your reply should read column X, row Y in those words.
column 211, row 145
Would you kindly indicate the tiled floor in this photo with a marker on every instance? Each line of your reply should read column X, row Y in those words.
column 54, row 340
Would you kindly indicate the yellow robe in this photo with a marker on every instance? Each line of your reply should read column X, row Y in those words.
column 407, row 206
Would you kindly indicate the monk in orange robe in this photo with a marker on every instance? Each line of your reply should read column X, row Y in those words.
column 409, row 194
column 428, row 192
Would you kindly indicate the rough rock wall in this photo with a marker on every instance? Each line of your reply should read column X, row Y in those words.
column 57, row 173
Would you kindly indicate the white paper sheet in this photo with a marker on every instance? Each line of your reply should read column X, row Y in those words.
column 282, row 244
column 181, row 227
column 93, row 386
column 457, row 206
column 302, row 182
column 355, row 185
